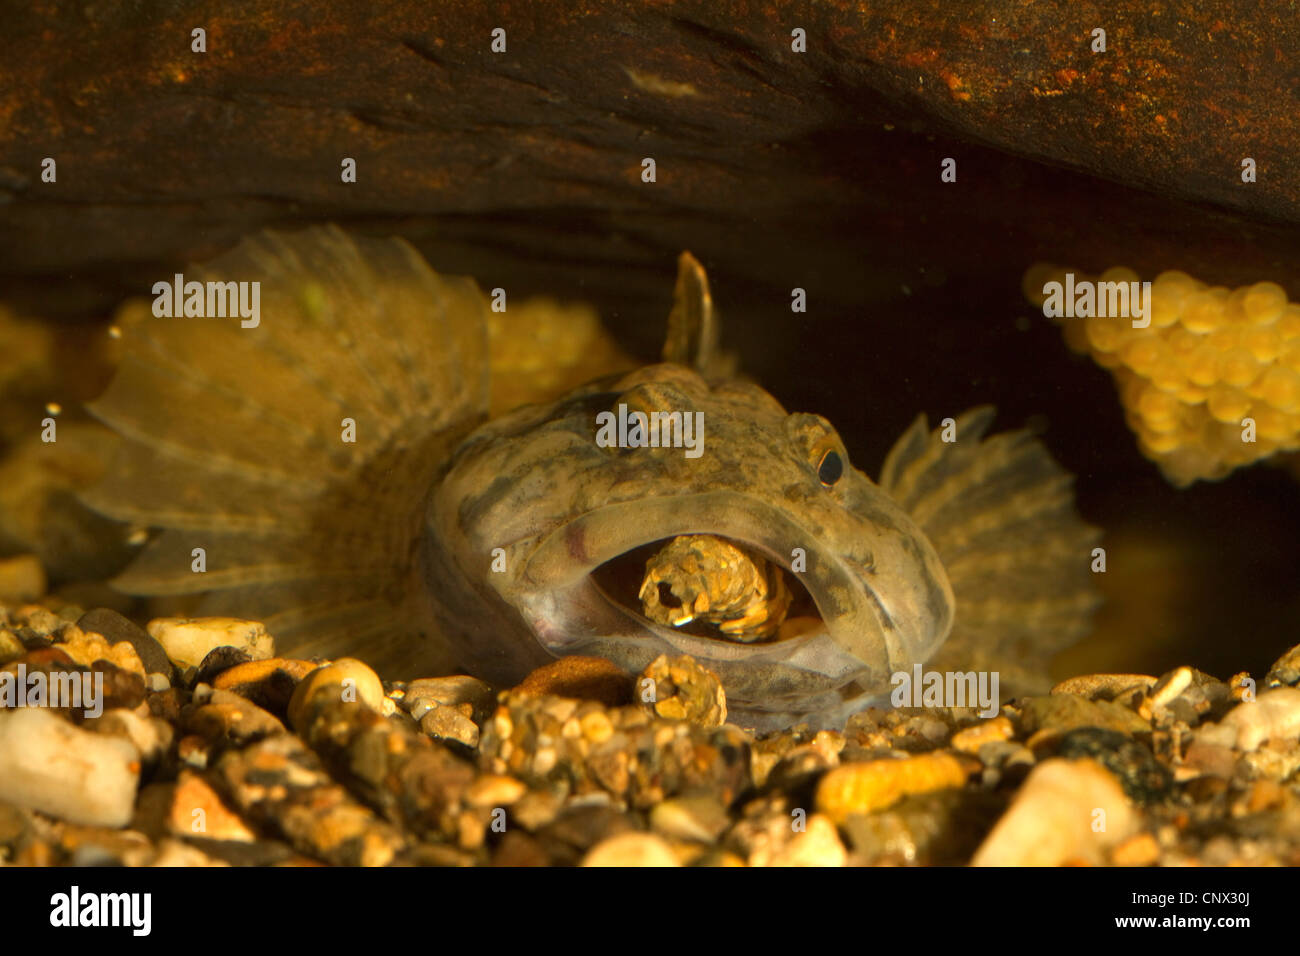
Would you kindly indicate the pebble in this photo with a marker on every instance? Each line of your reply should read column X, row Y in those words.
column 1286, row 669
column 799, row 769
column 269, row 684
column 196, row 810
column 450, row 708
column 226, row 717
column 1051, row 820
column 580, row 827
column 494, row 790
column 516, row 848
column 188, row 640
column 701, row 819
column 941, row 828
column 22, row 578
column 216, row 662
column 34, row 621
column 925, row 730
column 1144, row 779
column 114, row 687
column 175, row 853
column 1062, row 712
column 1140, row 850
column 1241, row 684
column 87, row 647
column 278, row 782
column 536, row 808
column 150, row 735
column 553, row 743
column 413, row 782
column 817, row 845
column 582, row 678
column 346, row 680
column 10, row 647
column 1167, row 695
column 446, row 723
column 1203, row 757
column 1170, row 686
column 1005, row 761
column 99, row 846
column 631, row 849
column 971, row 739
column 680, row 689
column 875, row 784
column 115, row 628
column 46, row 763
column 1273, row 715
column 1107, row 686
column 424, row 694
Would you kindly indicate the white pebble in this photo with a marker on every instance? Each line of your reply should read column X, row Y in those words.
column 818, row 845
column 150, row 735
column 188, row 640
column 1065, row 810
column 47, row 764
column 631, row 849
column 1273, row 715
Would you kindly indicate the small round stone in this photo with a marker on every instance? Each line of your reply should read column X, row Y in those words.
column 631, row 849
column 347, row 680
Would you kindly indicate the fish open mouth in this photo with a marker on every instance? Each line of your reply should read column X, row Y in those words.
column 787, row 611
column 580, row 592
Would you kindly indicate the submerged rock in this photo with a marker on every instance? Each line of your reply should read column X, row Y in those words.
column 47, row 764
column 1066, row 810
column 1274, row 715
column 188, row 641
column 631, row 849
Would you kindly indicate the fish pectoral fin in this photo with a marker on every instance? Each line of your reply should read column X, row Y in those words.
column 1000, row 512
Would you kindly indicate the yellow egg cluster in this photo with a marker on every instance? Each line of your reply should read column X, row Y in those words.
column 1211, row 362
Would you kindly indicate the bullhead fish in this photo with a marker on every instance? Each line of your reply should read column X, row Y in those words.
column 340, row 467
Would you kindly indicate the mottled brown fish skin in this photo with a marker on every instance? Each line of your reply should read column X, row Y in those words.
column 536, row 484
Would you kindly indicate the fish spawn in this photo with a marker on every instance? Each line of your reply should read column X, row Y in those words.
column 1213, row 380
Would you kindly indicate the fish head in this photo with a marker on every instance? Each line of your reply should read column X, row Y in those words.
column 555, row 509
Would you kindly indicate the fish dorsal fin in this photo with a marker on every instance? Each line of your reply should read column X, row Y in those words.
column 692, row 338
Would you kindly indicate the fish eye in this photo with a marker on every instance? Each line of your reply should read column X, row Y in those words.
column 830, row 468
